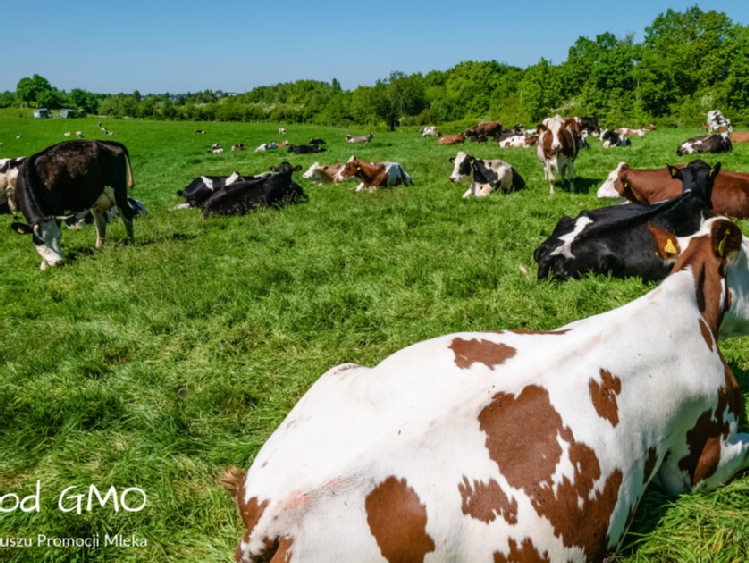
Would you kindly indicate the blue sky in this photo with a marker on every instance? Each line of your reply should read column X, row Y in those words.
column 179, row 46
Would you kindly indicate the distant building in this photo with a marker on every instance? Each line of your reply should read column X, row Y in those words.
column 41, row 113
column 67, row 113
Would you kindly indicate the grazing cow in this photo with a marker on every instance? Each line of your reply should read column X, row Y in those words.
column 317, row 141
column 430, row 131
column 557, row 147
column 324, row 174
column 359, row 139
column 511, row 445
column 730, row 192
column 618, row 239
column 265, row 190
column 486, row 129
column 458, row 139
column 203, row 187
column 716, row 120
column 739, row 137
column 305, row 149
column 266, row 147
column 375, row 174
column 68, row 177
column 485, row 175
column 590, row 124
column 611, row 139
column 8, row 180
column 281, row 131
column 706, row 143
column 238, row 147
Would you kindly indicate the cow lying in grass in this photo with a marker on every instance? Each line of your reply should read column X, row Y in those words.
column 375, row 174
column 512, row 445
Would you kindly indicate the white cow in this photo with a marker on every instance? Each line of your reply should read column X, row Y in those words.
column 716, row 120
column 512, row 445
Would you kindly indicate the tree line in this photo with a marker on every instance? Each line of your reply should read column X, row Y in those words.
column 688, row 63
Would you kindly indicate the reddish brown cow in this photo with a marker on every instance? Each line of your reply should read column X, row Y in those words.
column 458, row 139
column 486, row 129
column 730, row 191
column 376, row 174
column 739, row 137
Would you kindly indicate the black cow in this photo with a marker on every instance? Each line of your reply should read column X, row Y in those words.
column 303, row 149
column 317, row 141
column 200, row 189
column 590, row 124
column 620, row 240
column 706, row 143
column 69, row 177
column 272, row 190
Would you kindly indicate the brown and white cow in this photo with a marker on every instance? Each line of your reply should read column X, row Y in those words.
column 629, row 132
column 558, row 143
column 512, row 445
column 730, row 194
column 375, row 175
column 324, row 174
column 458, row 139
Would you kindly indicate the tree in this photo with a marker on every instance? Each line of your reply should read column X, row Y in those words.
column 30, row 89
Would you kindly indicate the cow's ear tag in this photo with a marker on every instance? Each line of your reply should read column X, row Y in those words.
column 673, row 172
column 669, row 247
column 722, row 243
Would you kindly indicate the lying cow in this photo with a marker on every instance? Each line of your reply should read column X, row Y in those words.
column 305, row 149
column 706, row 144
column 203, row 187
column 375, row 174
column 486, row 175
column 248, row 194
column 266, row 147
column 730, row 194
column 512, row 445
column 458, row 139
column 629, row 132
column 618, row 239
column 430, row 131
column 517, row 141
column 69, row 177
column 559, row 142
column 324, row 174
column 611, row 139
column 360, row 138
column 739, row 137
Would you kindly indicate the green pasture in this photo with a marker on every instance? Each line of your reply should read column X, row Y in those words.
column 155, row 365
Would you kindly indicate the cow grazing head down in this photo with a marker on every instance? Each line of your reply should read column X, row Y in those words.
column 470, row 447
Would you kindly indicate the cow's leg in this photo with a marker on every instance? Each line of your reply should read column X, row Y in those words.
column 549, row 177
column 720, row 460
column 571, row 174
column 100, row 222
column 126, row 212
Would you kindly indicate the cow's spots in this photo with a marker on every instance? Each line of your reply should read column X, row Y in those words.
column 603, row 395
column 398, row 520
column 706, row 334
column 524, row 436
column 525, row 552
column 251, row 511
column 650, row 465
column 486, row 501
column 480, row 351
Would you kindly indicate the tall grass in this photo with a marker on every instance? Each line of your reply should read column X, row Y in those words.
column 157, row 364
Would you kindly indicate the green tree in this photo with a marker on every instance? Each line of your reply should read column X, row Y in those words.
column 31, row 89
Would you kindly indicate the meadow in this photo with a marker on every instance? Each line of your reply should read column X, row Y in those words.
column 153, row 366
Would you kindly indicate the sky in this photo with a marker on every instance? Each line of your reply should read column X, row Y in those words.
column 181, row 46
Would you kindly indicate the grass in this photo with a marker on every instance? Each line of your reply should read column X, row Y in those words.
column 156, row 365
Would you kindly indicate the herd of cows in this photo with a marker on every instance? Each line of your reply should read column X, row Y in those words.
column 433, row 452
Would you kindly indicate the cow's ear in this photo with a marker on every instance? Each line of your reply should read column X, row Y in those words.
column 726, row 238
column 673, row 171
column 297, row 168
column 22, row 228
column 666, row 244
column 714, row 170
column 451, row 159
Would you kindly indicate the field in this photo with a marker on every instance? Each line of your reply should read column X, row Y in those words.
column 155, row 365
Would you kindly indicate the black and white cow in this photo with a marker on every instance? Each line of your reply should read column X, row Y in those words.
column 201, row 188
column 716, row 120
column 619, row 239
column 706, row 143
column 8, row 179
column 360, row 138
column 486, row 175
column 430, row 131
column 611, row 138
column 266, row 190
column 304, row 149
column 68, row 177
column 590, row 124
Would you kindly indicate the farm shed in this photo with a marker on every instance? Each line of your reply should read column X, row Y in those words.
column 67, row 113
column 41, row 113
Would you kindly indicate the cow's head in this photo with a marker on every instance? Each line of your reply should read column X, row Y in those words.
column 554, row 129
column 613, row 186
column 463, row 163
column 46, row 235
column 698, row 178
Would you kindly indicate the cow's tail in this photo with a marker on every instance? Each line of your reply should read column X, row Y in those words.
column 130, row 182
column 517, row 180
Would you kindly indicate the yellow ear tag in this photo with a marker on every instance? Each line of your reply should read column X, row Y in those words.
column 722, row 243
column 669, row 247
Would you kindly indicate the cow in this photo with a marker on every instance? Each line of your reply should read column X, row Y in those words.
column 518, row 141
column 730, row 194
column 706, row 144
column 8, row 180
column 360, row 139
column 739, row 137
column 317, row 141
column 216, row 148
column 68, row 177
column 477, row 139
column 612, row 139
column 203, row 187
column 617, row 240
column 266, row 147
column 590, row 124
column 558, row 143
column 486, row 175
column 486, row 129
column 458, row 139
column 716, row 120
column 629, row 132
column 281, row 131
column 430, row 131
column 511, row 445
column 375, row 174
column 238, row 147
column 265, row 190
column 324, row 174
column 305, row 149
